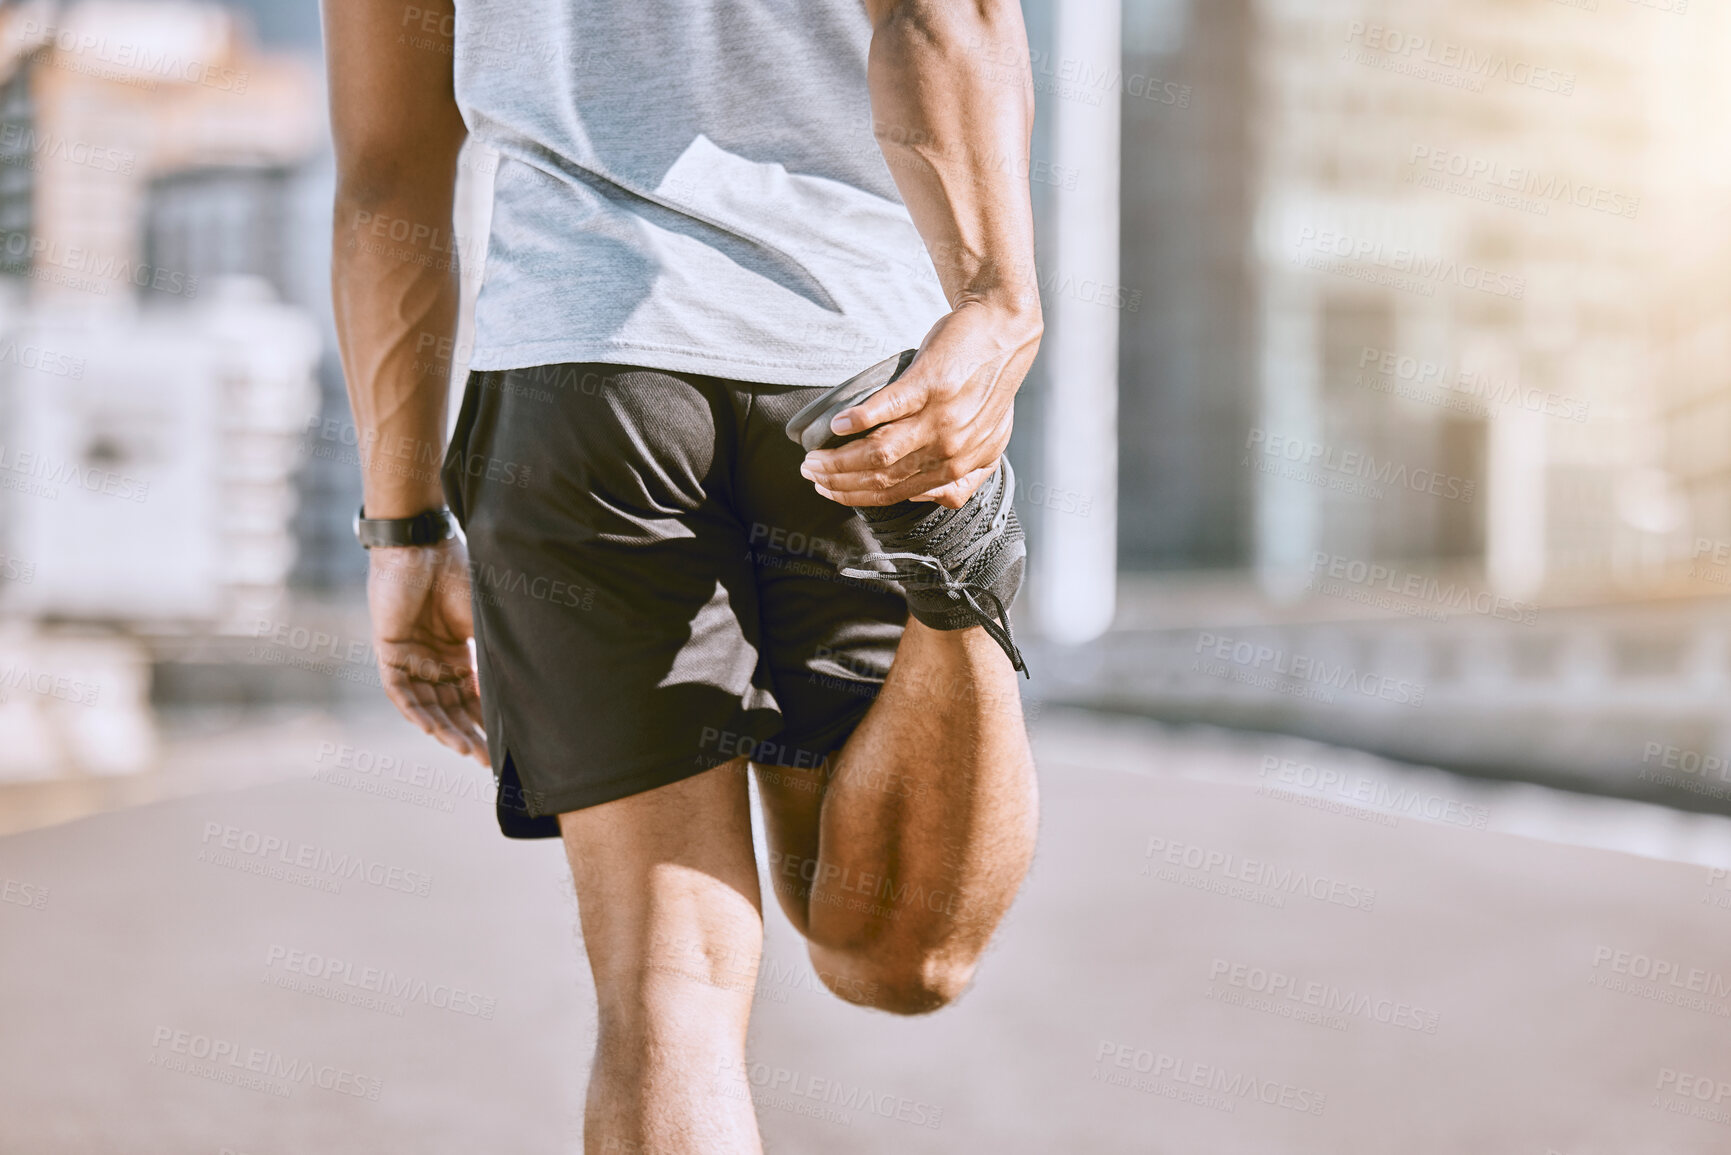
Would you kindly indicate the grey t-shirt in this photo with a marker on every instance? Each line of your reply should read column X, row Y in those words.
column 690, row 185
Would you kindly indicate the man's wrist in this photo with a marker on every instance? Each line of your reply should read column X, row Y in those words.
column 1017, row 310
column 400, row 501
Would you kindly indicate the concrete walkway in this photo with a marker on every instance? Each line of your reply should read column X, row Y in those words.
column 1230, row 944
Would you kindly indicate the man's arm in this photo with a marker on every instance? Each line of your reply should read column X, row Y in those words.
column 394, row 288
column 397, row 134
column 953, row 109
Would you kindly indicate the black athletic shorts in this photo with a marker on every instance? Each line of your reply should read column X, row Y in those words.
column 656, row 588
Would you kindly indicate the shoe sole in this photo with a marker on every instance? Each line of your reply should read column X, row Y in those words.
column 809, row 428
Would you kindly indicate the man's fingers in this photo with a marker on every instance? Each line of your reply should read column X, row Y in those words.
column 435, row 696
column 462, row 708
column 914, row 486
column 877, row 465
column 882, row 448
column 444, row 729
column 402, row 696
column 956, row 493
column 901, row 399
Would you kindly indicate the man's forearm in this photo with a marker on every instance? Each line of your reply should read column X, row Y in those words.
column 396, row 313
column 956, row 137
column 397, row 132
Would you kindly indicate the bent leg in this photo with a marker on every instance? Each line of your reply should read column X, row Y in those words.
column 672, row 920
column 899, row 858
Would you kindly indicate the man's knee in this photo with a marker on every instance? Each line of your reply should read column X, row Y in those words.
column 905, row 982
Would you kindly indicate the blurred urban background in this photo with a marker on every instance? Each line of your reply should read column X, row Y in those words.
column 1378, row 466
column 1420, row 391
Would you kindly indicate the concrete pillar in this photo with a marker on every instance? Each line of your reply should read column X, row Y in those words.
column 1288, row 510
column 1515, row 502
column 1075, row 559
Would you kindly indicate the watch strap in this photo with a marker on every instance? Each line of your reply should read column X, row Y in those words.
column 429, row 527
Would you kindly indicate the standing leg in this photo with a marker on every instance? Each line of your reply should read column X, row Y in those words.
column 672, row 919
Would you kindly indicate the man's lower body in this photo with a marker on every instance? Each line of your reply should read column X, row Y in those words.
column 658, row 606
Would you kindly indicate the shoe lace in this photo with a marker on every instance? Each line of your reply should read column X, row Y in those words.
column 923, row 567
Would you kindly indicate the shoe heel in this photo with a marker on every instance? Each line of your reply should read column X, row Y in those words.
column 809, row 428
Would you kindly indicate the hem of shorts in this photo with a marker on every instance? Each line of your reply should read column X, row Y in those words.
column 668, row 358
column 830, row 738
column 550, row 803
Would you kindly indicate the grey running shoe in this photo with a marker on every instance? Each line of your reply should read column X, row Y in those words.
column 810, row 426
column 956, row 567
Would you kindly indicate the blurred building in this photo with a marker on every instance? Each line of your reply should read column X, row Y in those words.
column 1409, row 277
column 156, row 388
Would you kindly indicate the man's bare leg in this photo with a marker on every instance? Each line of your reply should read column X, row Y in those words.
column 899, row 859
column 672, row 920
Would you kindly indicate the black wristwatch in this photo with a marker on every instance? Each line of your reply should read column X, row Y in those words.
column 429, row 527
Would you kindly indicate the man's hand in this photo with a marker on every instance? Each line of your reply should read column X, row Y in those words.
column 422, row 624
column 941, row 427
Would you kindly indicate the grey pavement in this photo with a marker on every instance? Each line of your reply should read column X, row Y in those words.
column 1229, row 944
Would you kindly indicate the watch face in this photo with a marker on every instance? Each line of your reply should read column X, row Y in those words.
column 429, row 527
